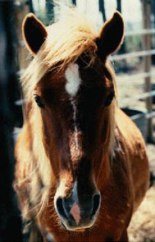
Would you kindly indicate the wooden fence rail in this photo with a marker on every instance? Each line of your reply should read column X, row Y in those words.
column 141, row 53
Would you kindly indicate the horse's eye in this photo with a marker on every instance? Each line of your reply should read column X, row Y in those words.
column 109, row 99
column 39, row 101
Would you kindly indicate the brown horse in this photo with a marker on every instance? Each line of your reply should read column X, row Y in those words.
column 81, row 166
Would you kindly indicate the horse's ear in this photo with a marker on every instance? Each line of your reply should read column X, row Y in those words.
column 34, row 33
column 111, row 36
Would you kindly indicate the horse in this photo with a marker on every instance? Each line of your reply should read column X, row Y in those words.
column 81, row 164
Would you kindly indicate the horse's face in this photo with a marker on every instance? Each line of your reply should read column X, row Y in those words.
column 75, row 126
column 75, row 112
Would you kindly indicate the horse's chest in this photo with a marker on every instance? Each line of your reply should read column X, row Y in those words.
column 116, row 207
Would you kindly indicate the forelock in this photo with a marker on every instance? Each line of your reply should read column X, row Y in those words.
column 66, row 41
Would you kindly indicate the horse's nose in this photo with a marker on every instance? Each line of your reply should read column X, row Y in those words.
column 78, row 212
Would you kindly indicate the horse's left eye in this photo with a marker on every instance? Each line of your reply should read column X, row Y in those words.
column 109, row 99
column 39, row 101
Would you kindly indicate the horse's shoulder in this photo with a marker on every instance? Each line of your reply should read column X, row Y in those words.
column 127, row 131
column 130, row 148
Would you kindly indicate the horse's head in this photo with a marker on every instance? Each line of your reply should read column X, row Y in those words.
column 74, row 99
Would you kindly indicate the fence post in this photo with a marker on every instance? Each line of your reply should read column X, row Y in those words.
column 146, row 11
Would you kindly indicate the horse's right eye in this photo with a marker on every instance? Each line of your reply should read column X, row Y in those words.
column 39, row 101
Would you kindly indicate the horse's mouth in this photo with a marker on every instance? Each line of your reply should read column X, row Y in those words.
column 80, row 228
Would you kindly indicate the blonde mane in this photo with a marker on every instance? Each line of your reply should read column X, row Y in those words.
column 66, row 41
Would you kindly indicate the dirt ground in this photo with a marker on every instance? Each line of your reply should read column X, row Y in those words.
column 142, row 226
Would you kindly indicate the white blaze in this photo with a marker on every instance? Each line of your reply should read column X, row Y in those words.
column 73, row 79
column 75, row 124
column 72, row 86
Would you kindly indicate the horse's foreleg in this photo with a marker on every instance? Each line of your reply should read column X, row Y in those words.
column 35, row 235
column 124, row 237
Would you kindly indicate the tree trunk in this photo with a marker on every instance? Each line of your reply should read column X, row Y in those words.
column 50, row 10
column 119, row 5
column 102, row 9
column 74, row 2
column 119, row 8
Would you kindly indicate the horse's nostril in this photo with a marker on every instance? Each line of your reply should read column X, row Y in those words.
column 60, row 207
column 96, row 203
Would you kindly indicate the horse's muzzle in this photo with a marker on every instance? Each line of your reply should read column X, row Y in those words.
column 78, row 212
